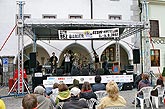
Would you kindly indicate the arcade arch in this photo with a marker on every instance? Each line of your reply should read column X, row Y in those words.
column 83, row 54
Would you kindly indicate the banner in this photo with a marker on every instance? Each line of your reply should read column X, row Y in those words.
column 89, row 34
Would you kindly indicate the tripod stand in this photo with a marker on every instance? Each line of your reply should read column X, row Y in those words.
column 18, row 81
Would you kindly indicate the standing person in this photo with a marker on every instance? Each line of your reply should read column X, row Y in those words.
column 29, row 101
column 1, row 74
column 113, row 98
column 67, row 61
column 2, row 104
column 53, row 60
column 75, row 101
column 98, row 85
column 96, row 61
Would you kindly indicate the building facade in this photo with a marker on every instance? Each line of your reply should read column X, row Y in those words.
column 112, row 10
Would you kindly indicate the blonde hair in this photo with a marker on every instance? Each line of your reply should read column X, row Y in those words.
column 112, row 90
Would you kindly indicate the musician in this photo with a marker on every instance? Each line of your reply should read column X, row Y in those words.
column 67, row 61
column 53, row 61
column 96, row 60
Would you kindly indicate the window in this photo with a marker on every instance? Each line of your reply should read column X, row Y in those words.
column 49, row 16
column 154, row 28
column 155, row 57
column 75, row 16
column 114, row 17
column 26, row 16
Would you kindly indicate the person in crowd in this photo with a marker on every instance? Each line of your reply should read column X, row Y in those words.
column 43, row 102
column 67, row 61
column 143, row 83
column 54, row 91
column 113, row 98
column 64, row 93
column 53, row 60
column 138, row 78
column 1, row 74
column 29, row 101
column 75, row 84
column 98, row 85
column 2, row 104
column 75, row 102
column 158, row 82
column 87, row 93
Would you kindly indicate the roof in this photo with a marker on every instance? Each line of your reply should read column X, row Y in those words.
column 47, row 29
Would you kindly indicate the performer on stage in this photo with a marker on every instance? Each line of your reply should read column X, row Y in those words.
column 53, row 60
column 67, row 56
column 96, row 61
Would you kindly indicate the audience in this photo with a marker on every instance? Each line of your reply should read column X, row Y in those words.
column 2, row 104
column 63, row 95
column 75, row 102
column 98, row 85
column 113, row 98
column 29, row 101
column 43, row 102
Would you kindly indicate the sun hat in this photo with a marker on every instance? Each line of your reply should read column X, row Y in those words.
column 75, row 91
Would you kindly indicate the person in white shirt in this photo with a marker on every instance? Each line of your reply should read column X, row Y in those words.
column 67, row 61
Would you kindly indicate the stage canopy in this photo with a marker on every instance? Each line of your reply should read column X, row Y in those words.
column 47, row 29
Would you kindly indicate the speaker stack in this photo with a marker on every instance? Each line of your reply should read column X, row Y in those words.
column 32, row 62
column 136, row 56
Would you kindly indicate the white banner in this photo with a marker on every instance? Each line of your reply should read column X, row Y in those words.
column 89, row 34
column 69, row 79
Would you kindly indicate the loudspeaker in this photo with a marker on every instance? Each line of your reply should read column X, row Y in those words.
column 32, row 62
column 136, row 56
column 36, row 81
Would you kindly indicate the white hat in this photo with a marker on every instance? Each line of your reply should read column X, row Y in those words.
column 75, row 91
column 39, row 90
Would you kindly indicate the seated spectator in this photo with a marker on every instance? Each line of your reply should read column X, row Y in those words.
column 98, row 85
column 113, row 98
column 63, row 95
column 2, row 104
column 75, row 84
column 87, row 93
column 143, row 83
column 54, row 92
column 75, row 102
column 29, row 101
column 158, row 82
column 43, row 102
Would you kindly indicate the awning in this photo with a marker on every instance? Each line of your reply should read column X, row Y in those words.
column 47, row 29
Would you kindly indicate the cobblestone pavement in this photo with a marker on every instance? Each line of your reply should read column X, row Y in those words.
column 15, row 102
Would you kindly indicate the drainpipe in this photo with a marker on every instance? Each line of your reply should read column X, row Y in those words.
column 91, row 2
column 140, row 7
